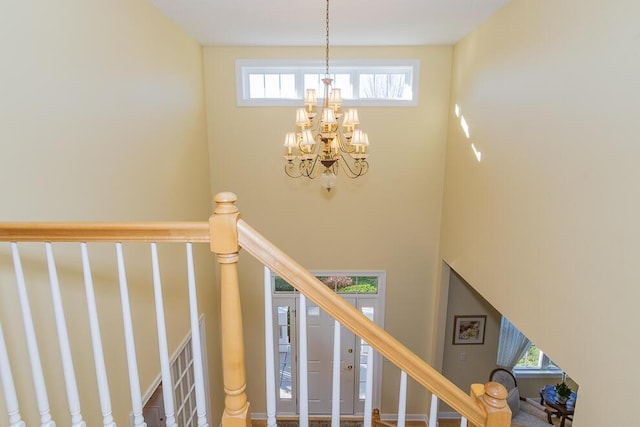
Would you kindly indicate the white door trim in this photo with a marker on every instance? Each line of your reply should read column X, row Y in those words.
column 377, row 300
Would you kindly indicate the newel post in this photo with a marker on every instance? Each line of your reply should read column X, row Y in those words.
column 224, row 242
column 492, row 396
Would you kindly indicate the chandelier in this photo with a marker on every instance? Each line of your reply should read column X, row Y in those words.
column 320, row 147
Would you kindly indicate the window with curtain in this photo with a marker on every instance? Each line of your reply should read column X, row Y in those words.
column 517, row 353
column 512, row 344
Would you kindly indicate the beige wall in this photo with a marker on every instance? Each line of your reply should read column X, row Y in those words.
column 469, row 364
column 388, row 220
column 101, row 118
column 545, row 227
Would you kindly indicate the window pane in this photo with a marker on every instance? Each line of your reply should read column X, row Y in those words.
column 362, row 386
column 531, row 359
column 364, row 352
column 288, row 86
column 374, row 86
column 272, row 85
column 398, row 86
column 382, row 86
column 367, row 284
column 343, row 284
column 284, row 351
column 343, row 81
column 282, row 286
column 256, row 85
column 328, row 282
column 313, row 81
column 385, row 86
column 369, row 312
column 367, row 85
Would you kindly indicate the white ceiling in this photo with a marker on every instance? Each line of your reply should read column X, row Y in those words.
column 353, row 22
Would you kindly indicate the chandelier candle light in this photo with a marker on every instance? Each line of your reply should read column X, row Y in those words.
column 321, row 140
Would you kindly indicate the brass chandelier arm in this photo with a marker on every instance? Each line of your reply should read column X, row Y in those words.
column 345, row 146
column 306, row 168
column 289, row 169
column 360, row 167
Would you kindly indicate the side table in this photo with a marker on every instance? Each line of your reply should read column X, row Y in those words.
column 560, row 410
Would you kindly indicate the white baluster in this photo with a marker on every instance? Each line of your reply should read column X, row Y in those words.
column 163, row 349
column 96, row 341
column 303, row 391
column 32, row 344
column 63, row 340
column 8, row 386
column 402, row 399
column 433, row 411
column 201, row 406
column 368, row 399
column 269, row 350
column 335, row 402
column 463, row 422
column 134, row 379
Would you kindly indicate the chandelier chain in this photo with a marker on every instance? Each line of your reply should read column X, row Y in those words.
column 326, row 53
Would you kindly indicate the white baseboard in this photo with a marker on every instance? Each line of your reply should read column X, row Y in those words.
column 449, row 415
column 408, row 417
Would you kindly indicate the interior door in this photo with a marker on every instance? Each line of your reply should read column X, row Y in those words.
column 320, row 331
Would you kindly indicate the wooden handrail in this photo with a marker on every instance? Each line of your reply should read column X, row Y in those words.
column 226, row 223
column 104, row 232
column 356, row 322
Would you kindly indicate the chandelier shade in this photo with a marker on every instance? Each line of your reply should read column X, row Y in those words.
column 326, row 137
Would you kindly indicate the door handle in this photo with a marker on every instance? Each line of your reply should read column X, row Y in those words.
column 350, row 350
column 349, row 367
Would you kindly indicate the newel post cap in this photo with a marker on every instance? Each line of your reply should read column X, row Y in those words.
column 223, row 224
column 495, row 395
column 225, row 202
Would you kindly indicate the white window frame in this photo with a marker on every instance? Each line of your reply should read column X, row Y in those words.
column 546, row 368
column 244, row 67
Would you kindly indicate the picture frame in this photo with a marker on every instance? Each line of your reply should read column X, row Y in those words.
column 469, row 329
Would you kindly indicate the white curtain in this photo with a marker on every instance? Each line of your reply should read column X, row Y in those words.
column 512, row 344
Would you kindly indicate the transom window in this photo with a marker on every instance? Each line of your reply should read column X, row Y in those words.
column 341, row 283
column 364, row 83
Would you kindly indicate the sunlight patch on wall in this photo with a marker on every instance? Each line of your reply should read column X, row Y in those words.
column 465, row 128
column 476, row 152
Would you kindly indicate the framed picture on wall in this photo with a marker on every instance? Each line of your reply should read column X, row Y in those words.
column 469, row 329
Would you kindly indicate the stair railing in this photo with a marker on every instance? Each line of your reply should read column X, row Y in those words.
column 118, row 233
column 485, row 407
column 227, row 233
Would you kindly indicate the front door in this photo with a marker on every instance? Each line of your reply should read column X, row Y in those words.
column 362, row 291
column 320, row 332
